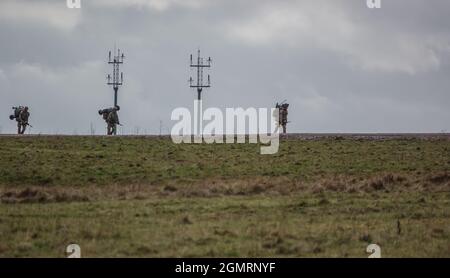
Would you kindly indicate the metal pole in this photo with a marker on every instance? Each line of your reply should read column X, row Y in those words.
column 116, row 89
column 117, row 76
column 199, row 84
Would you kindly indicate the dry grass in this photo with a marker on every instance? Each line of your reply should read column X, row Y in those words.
column 146, row 197
column 265, row 186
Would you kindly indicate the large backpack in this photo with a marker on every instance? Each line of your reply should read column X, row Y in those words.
column 105, row 113
column 17, row 111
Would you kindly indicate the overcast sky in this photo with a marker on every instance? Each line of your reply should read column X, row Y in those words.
column 341, row 66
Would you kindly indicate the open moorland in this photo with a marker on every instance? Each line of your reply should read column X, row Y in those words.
column 320, row 196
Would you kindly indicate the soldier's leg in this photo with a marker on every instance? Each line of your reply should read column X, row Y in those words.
column 284, row 128
column 109, row 129
column 19, row 128
column 24, row 127
column 114, row 129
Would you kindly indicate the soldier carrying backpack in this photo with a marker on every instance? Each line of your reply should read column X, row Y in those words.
column 283, row 117
column 111, row 118
column 21, row 115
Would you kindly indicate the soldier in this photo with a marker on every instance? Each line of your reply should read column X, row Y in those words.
column 21, row 115
column 22, row 121
column 113, row 121
column 283, row 118
column 111, row 118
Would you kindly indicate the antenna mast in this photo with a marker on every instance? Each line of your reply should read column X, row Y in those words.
column 116, row 79
column 200, row 66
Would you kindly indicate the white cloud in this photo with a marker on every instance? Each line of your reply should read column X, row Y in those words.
column 55, row 14
column 158, row 5
column 45, row 75
column 328, row 25
column 26, row 71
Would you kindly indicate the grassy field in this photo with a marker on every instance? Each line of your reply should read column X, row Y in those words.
column 147, row 197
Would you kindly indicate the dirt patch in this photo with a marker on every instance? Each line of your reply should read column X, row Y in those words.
column 40, row 195
column 384, row 182
column 390, row 182
column 440, row 178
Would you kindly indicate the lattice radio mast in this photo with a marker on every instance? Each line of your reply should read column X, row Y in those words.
column 115, row 81
column 200, row 66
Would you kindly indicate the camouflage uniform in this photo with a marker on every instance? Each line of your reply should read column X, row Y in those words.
column 22, row 120
column 283, row 118
column 111, row 118
column 112, row 121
